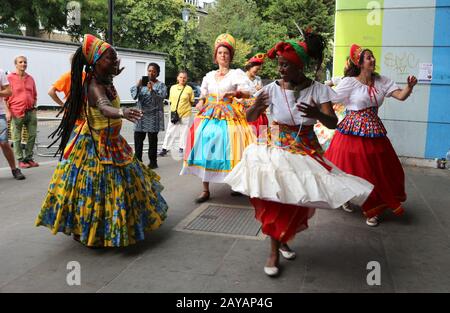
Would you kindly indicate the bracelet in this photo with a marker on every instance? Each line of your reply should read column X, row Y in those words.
column 121, row 112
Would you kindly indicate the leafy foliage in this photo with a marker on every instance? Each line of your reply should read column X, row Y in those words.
column 157, row 26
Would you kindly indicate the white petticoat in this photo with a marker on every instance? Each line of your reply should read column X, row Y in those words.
column 275, row 174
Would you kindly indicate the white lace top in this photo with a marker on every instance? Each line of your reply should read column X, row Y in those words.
column 356, row 96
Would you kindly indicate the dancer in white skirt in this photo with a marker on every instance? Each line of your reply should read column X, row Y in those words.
column 286, row 176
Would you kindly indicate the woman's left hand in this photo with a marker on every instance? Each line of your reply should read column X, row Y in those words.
column 228, row 94
column 311, row 111
column 412, row 81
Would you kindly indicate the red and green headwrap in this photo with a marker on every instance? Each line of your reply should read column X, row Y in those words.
column 93, row 48
column 225, row 40
column 292, row 50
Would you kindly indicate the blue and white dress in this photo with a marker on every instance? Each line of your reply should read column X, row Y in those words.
column 152, row 105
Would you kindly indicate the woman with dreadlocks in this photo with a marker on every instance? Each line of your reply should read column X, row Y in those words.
column 100, row 193
column 286, row 177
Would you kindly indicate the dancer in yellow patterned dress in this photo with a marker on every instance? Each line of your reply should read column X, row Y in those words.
column 99, row 192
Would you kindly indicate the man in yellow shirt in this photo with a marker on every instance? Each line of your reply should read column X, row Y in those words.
column 181, row 99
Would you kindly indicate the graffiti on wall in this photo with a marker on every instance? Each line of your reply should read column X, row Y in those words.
column 401, row 63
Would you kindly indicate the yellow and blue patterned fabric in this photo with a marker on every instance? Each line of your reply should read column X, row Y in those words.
column 100, row 191
column 218, row 138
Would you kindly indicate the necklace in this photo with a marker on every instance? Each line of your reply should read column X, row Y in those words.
column 222, row 73
column 287, row 102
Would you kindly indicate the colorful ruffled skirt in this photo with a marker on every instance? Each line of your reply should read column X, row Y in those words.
column 102, row 193
column 260, row 126
column 216, row 140
column 287, row 178
column 362, row 149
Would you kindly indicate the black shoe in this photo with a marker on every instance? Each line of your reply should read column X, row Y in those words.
column 153, row 166
column 163, row 152
column 236, row 194
column 180, row 150
column 203, row 198
column 76, row 238
column 18, row 174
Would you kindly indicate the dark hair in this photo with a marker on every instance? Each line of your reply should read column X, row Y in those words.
column 316, row 47
column 250, row 65
column 156, row 66
column 74, row 104
column 352, row 70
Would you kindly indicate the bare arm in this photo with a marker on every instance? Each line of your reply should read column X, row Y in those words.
column 237, row 94
column 5, row 91
column 97, row 97
column 54, row 96
column 261, row 104
column 403, row 94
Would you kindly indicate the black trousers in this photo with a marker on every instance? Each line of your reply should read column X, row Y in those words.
column 139, row 138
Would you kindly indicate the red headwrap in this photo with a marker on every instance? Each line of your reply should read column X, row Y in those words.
column 257, row 59
column 293, row 51
column 355, row 54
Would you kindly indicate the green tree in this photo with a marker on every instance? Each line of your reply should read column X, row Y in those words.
column 157, row 25
column 32, row 14
column 317, row 14
column 243, row 20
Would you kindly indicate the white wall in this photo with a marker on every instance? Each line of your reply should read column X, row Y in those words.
column 47, row 61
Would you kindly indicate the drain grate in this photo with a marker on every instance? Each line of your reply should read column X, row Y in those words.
column 225, row 220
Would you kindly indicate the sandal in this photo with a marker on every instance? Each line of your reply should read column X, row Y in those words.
column 347, row 207
column 204, row 197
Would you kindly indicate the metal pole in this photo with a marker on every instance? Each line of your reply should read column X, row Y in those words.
column 185, row 50
column 110, row 21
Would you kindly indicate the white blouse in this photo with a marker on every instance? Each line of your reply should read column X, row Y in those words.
column 281, row 110
column 234, row 80
column 255, row 84
column 356, row 96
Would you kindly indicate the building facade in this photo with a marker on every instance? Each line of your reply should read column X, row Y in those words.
column 407, row 36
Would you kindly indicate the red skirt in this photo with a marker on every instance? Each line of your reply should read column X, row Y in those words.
column 281, row 221
column 260, row 125
column 375, row 160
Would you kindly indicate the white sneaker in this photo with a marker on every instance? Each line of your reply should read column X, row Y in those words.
column 288, row 255
column 373, row 221
column 347, row 207
column 271, row 271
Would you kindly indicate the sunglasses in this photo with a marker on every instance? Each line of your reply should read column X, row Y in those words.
column 260, row 56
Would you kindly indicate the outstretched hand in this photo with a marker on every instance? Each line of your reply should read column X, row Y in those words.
column 120, row 70
column 412, row 81
column 132, row 114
